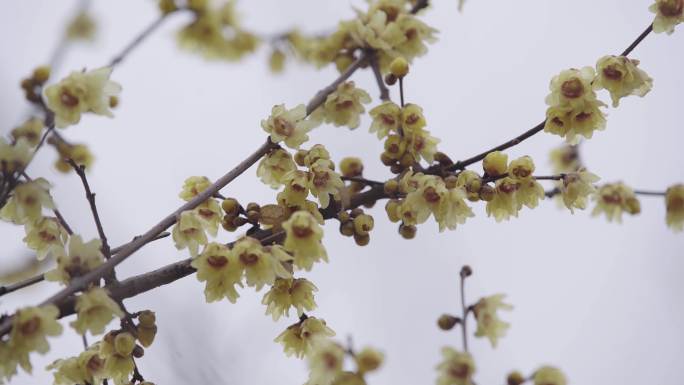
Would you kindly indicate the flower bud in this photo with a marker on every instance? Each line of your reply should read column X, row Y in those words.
column 41, row 74
column 399, row 67
column 361, row 239
column 231, row 206
column 447, row 322
column 363, row 224
column 391, row 187
column 495, row 163
column 390, row 80
column 351, row 167
column 515, row 378
column 407, row 231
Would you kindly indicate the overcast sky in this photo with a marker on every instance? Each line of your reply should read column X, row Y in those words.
column 602, row 301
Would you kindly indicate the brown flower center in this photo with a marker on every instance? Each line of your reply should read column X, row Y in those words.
column 283, row 126
column 30, row 326
column 572, row 88
column 671, row 8
column 68, row 99
column 217, row 261
column 249, row 259
column 612, row 73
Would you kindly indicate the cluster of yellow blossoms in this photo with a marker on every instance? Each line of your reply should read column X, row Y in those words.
column 669, row 13
column 215, row 31
column 574, row 109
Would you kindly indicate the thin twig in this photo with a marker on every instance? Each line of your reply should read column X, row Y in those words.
column 137, row 40
column 650, row 193
column 362, row 180
column 375, row 66
column 20, row 285
column 465, row 273
column 57, row 213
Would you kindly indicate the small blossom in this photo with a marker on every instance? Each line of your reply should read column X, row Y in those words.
column 614, row 199
column 674, row 204
column 261, row 267
column 669, row 13
column 289, row 126
column 316, row 153
column 30, row 328
column 576, row 187
column 504, row 204
column 456, row 368
column 303, row 240
column 324, row 181
column 27, row 202
column 193, row 186
column 453, row 210
column 471, row 183
column 81, row 92
column 572, row 88
column 147, row 327
column 344, row 106
column 46, row 237
column 297, row 339
column 286, row 293
column 79, row 153
column 31, row 131
column 209, row 213
column 296, row 189
column 274, row 166
column 14, row 157
column 326, row 361
column 82, row 27
column 95, row 310
column 565, row 159
column 220, row 269
column 81, row 259
column 386, row 119
column 521, row 169
column 189, row 232
column 529, row 193
column 548, row 375
column 621, row 77
column 87, row 367
column 488, row 323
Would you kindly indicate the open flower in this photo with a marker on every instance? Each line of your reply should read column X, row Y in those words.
column 456, row 368
column 614, row 199
column 81, row 259
column 27, row 202
column 488, row 323
column 117, row 349
column 298, row 339
column 303, row 240
column 209, row 213
column 289, row 126
column 14, row 157
column 324, row 181
column 576, row 187
column 326, row 361
column 221, row 270
column 287, row 293
column 95, row 310
column 504, row 203
column 81, row 92
column 193, row 186
column 386, row 119
column 344, row 106
column 621, row 77
column 669, row 13
column 46, row 237
column 261, row 267
column 189, row 232
column 30, row 328
column 274, row 166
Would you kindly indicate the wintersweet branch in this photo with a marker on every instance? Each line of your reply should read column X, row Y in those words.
column 462, row 164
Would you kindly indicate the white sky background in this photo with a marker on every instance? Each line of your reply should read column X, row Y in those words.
column 602, row 301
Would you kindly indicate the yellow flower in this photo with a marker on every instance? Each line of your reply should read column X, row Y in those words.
column 386, row 119
column 674, row 203
column 81, row 92
column 456, row 368
column 189, row 232
column 193, row 186
column 95, row 310
column 289, row 126
column 453, row 210
column 82, row 27
column 669, row 13
column 303, row 240
column 572, row 88
column 368, row 360
column 412, row 118
column 81, row 259
column 296, row 189
column 323, row 181
column 422, row 144
column 79, row 153
column 326, row 361
column 417, row 34
column 274, row 166
column 87, row 367
column 377, row 29
column 495, row 163
column 261, row 267
column 14, row 157
column 316, row 153
column 30, row 328
column 46, row 237
column 220, row 269
column 488, row 323
column 576, row 187
column 209, row 213
column 529, row 193
column 297, row 339
column 621, row 77
column 613, row 199
column 116, row 349
column 31, row 131
column 344, row 106
column 27, row 202
column 471, row 182
column 147, row 327
column 521, row 169
column 286, row 293
column 504, row 204
column 565, row 159
column 548, row 375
